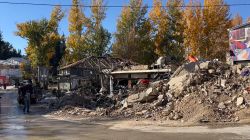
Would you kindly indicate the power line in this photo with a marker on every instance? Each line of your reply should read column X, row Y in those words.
column 111, row 6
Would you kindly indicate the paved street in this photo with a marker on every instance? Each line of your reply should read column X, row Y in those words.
column 16, row 125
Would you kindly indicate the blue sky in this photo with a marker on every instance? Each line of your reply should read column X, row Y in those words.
column 10, row 15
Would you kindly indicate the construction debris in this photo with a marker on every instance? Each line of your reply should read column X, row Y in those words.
column 198, row 92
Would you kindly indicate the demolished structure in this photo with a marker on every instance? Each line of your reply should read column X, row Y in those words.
column 92, row 71
column 197, row 92
column 192, row 93
column 106, row 72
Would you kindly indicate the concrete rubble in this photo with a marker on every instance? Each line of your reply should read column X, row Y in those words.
column 201, row 92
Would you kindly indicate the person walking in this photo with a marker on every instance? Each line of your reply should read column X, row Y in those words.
column 26, row 95
column 25, row 98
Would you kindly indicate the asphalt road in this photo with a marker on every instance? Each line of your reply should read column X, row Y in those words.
column 14, row 125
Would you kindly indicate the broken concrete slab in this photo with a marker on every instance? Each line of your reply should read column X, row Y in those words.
column 217, row 91
column 221, row 105
column 240, row 101
column 205, row 65
column 211, row 71
column 223, row 82
column 145, row 96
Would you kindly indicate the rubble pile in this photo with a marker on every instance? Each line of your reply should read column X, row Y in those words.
column 202, row 92
column 197, row 92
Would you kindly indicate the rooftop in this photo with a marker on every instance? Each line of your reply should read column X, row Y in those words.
column 240, row 26
column 104, row 62
column 13, row 61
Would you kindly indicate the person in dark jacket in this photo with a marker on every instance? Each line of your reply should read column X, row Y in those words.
column 26, row 96
column 4, row 85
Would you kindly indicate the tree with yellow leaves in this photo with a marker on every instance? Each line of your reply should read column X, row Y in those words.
column 97, row 37
column 206, row 29
column 42, row 36
column 216, row 23
column 167, row 28
column 159, row 22
column 75, row 49
column 193, row 31
column 26, row 70
column 237, row 20
column 87, row 35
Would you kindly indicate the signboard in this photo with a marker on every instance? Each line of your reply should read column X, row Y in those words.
column 240, row 44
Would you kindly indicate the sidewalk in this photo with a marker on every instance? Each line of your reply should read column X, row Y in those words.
column 9, row 88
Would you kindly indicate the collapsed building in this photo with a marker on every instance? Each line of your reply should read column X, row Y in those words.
column 197, row 92
column 91, row 71
column 108, row 74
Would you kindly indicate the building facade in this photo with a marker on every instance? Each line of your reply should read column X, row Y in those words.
column 10, row 69
column 239, row 43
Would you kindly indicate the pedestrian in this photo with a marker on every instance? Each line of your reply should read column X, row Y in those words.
column 4, row 85
column 26, row 95
column 25, row 98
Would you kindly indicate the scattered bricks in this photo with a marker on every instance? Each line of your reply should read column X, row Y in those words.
column 245, row 92
column 237, row 119
column 144, row 111
column 161, row 97
column 228, row 102
column 223, row 83
column 217, row 91
column 175, row 116
column 205, row 65
column 234, row 98
column 166, row 111
column 211, row 71
column 165, row 87
column 169, row 96
column 160, row 100
column 148, row 116
column 139, row 113
column 126, row 104
column 145, row 96
column 248, row 89
column 228, row 73
column 221, row 105
column 240, row 101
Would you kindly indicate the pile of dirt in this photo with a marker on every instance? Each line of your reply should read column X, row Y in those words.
column 202, row 92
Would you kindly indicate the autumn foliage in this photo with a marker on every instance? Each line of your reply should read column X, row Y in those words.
column 206, row 33
column 171, row 28
column 42, row 36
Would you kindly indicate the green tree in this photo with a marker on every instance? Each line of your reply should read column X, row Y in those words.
column 167, row 28
column 175, row 31
column 7, row 50
column 97, row 37
column 132, row 38
column 87, row 35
